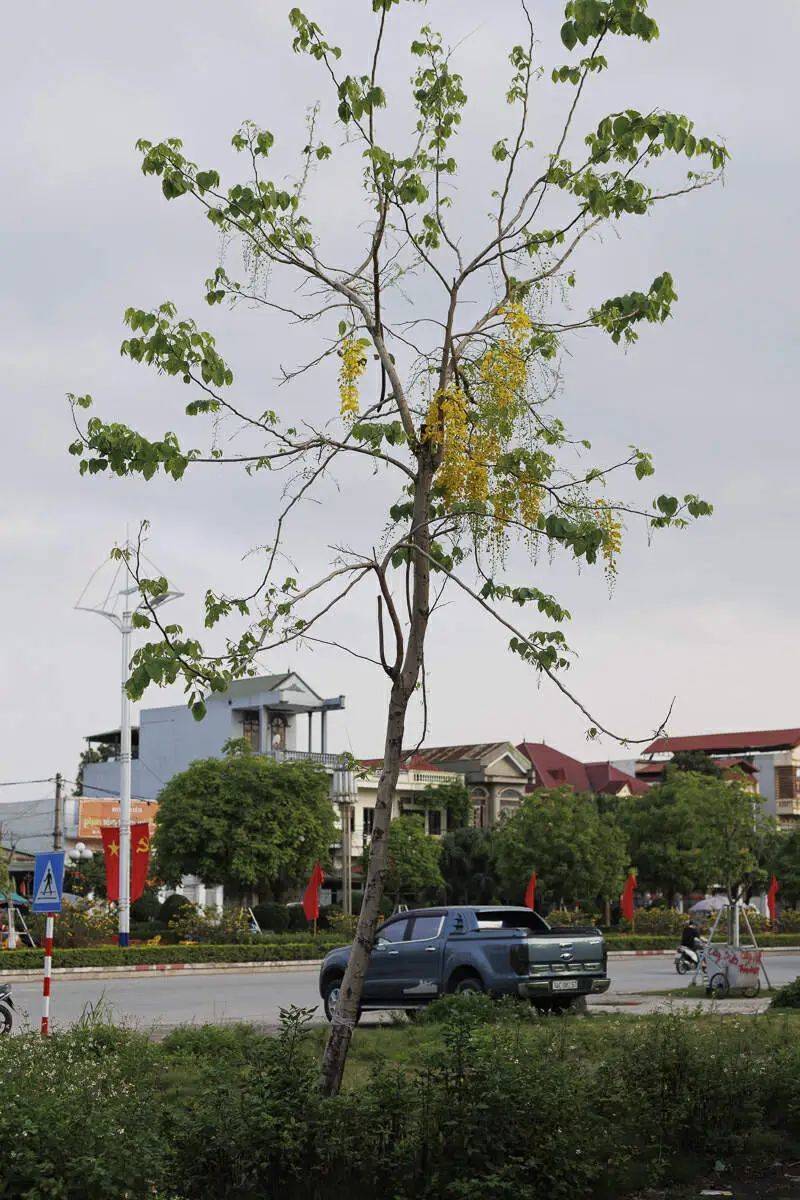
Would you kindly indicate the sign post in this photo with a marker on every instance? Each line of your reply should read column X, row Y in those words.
column 48, row 888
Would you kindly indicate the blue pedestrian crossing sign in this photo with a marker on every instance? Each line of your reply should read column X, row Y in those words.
column 48, row 881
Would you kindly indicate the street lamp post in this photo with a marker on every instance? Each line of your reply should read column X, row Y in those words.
column 122, row 598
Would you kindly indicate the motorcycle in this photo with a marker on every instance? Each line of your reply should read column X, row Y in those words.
column 6, row 1009
column 687, row 960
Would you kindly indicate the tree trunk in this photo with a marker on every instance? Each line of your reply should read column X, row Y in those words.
column 404, row 682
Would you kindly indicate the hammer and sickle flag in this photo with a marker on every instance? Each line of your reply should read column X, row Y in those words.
column 140, row 858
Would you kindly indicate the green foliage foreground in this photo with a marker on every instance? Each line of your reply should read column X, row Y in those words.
column 459, row 1107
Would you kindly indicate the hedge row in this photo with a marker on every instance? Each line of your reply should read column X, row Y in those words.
column 114, row 956
column 281, row 950
column 657, row 941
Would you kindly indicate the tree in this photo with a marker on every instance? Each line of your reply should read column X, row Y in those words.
column 577, row 854
column 466, row 861
column 412, row 864
column 701, row 831
column 662, row 837
column 694, row 760
column 244, row 821
column 448, row 360
column 786, row 865
column 452, row 797
column 735, row 835
column 92, row 754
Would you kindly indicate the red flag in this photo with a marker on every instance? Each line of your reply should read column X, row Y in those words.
column 530, row 892
column 111, row 854
column 774, row 888
column 140, row 858
column 311, row 894
column 626, row 899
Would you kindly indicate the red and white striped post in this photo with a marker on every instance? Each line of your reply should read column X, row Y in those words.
column 48, row 967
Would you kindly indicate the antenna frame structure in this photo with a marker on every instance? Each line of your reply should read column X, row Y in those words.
column 123, row 622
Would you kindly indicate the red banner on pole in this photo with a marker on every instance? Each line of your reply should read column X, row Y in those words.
column 626, row 899
column 311, row 894
column 140, row 858
column 530, row 892
column 772, row 902
column 111, row 854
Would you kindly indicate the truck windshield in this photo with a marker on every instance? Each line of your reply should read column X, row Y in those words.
column 510, row 918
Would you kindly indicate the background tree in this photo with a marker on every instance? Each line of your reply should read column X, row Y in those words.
column 577, row 854
column 661, row 828
column 244, row 821
column 87, row 876
column 412, row 865
column 786, row 865
column 92, row 754
column 697, row 761
column 453, row 798
column 448, row 362
column 466, row 861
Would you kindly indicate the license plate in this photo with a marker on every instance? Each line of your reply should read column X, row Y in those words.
column 565, row 985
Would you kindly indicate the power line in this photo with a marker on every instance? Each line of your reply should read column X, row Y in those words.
column 23, row 782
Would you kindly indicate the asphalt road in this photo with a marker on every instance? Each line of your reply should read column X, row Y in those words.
column 176, row 999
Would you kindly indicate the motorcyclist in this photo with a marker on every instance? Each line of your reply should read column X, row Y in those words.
column 690, row 937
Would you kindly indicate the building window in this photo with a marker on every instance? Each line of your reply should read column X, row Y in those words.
column 786, row 783
column 369, row 821
column 251, row 729
column 434, row 821
column 480, row 799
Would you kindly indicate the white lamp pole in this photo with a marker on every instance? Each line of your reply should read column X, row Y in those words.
column 125, row 783
column 122, row 598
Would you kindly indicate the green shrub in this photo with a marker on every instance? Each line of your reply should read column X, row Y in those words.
column 656, row 920
column 273, row 918
column 147, row 907
column 570, row 916
column 790, row 920
column 210, row 926
column 298, row 922
column 788, row 996
column 173, row 907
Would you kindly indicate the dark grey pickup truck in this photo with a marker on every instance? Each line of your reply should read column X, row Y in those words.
column 425, row 953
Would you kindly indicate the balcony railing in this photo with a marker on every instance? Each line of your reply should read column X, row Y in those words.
column 332, row 761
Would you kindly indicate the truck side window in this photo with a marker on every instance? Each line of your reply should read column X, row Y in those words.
column 425, row 928
column 394, row 931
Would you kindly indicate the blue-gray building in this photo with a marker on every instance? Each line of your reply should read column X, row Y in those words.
column 279, row 715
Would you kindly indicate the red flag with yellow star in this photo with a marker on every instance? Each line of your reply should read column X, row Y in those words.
column 140, row 858
column 111, row 854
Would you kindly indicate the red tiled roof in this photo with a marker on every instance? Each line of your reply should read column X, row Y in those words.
column 554, row 769
column 764, row 739
column 416, row 763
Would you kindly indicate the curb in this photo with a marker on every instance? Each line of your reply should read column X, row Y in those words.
column 66, row 973
column 295, row 964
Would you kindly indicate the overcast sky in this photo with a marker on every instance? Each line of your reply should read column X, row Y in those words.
column 707, row 616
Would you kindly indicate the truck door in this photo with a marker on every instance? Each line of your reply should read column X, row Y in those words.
column 383, row 961
column 418, row 965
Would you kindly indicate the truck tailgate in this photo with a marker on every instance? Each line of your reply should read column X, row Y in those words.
column 560, row 953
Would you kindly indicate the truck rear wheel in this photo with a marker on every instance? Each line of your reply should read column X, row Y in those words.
column 467, row 983
column 330, row 996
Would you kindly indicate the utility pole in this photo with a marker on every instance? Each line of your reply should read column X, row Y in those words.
column 58, row 837
column 121, row 600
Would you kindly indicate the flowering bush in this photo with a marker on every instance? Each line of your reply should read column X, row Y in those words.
column 656, row 920
column 209, row 925
column 86, row 923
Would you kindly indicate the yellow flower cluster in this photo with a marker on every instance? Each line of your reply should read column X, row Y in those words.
column 612, row 536
column 354, row 364
column 503, row 369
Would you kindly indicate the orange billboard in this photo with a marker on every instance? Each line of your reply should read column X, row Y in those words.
column 94, row 815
